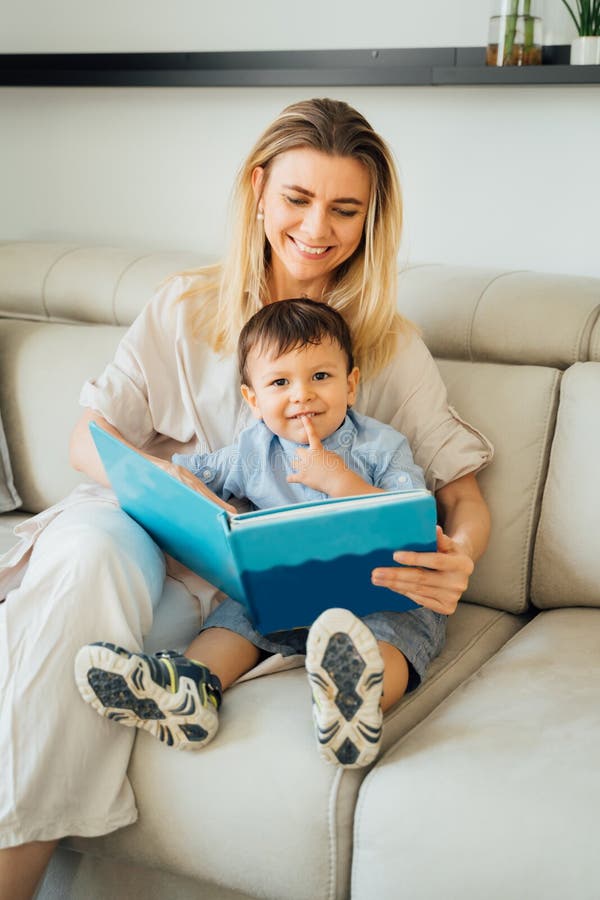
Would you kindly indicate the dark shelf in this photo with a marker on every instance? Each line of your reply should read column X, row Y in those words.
column 311, row 68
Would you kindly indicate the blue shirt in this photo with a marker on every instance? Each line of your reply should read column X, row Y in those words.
column 256, row 466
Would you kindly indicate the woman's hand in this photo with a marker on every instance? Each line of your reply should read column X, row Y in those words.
column 189, row 479
column 438, row 580
column 434, row 580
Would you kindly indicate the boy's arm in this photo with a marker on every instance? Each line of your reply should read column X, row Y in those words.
column 325, row 471
column 395, row 468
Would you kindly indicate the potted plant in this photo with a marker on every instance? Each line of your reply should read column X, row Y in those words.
column 585, row 50
column 515, row 34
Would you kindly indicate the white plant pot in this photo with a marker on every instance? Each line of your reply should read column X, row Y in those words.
column 585, row 51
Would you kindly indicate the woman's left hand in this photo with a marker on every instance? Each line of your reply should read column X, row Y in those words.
column 434, row 580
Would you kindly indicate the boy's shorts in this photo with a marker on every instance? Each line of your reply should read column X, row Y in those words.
column 418, row 633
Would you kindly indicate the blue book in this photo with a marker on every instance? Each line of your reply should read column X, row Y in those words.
column 285, row 564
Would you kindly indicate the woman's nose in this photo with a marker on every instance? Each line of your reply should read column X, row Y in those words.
column 315, row 223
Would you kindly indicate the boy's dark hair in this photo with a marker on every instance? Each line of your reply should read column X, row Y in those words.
column 286, row 324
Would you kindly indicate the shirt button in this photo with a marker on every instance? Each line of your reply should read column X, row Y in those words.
column 206, row 474
column 402, row 479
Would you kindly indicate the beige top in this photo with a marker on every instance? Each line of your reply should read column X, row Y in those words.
column 167, row 393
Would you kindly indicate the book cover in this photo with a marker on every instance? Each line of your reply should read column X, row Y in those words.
column 285, row 564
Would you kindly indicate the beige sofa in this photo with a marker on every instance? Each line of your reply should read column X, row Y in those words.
column 489, row 781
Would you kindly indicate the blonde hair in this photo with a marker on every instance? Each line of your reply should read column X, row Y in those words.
column 365, row 286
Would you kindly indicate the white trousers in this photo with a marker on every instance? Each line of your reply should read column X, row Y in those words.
column 93, row 575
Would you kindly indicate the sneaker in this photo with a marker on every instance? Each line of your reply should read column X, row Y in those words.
column 345, row 671
column 172, row 697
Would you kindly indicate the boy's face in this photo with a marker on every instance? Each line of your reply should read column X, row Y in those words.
column 311, row 380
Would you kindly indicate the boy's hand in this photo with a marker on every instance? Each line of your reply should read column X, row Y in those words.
column 324, row 470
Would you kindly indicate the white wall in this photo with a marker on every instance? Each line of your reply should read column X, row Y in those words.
column 492, row 176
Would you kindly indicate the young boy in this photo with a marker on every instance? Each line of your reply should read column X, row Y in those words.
column 299, row 379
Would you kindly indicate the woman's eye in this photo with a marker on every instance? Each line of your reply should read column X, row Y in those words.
column 321, row 376
column 346, row 213
column 296, row 201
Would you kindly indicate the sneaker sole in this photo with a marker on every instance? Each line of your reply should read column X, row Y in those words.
column 120, row 687
column 345, row 671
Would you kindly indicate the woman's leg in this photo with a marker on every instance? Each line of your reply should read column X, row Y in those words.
column 21, row 869
column 93, row 573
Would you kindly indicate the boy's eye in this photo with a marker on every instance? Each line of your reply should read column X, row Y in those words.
column 279, row 382
column 320, row 376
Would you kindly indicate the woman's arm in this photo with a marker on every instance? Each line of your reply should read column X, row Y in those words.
column 464, row 515
column 438, row 580
column 84, row 457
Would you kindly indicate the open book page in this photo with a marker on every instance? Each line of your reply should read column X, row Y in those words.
column 315, row 508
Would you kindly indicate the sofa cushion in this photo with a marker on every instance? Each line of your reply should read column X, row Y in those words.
column 515, row 407
column 566, row 564
column 106, row 284
column 24, row 267
column 42, row 368
column 497, row 793
column 594, row 353
column 249, row 810
column 495, row 316
column 9, row 498
column 8, row 522
column 73, row 876
column 82, row 284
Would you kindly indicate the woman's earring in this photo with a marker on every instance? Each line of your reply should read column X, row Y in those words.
column 260, row 216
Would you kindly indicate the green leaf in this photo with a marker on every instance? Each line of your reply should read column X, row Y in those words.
column 572, row 14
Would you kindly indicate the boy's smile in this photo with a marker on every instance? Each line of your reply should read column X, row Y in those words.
column 311, row 381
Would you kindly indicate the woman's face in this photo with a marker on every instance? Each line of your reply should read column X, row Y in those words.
column 315, row 207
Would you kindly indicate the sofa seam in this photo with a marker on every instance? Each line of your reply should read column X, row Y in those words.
column 10, row 316
column 469, row 341
column 331, row 827
column 129, row 265
column 590, row 323
column 49, row 270
column 538, row 493
column 541, row 502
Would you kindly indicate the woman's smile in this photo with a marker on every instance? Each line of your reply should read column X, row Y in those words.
column 305, row 250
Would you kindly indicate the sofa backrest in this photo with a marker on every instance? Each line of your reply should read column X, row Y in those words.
column 503, row 341
column 566, row 565
column 63, row 309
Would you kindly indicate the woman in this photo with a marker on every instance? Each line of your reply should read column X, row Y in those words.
column 318, row 213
